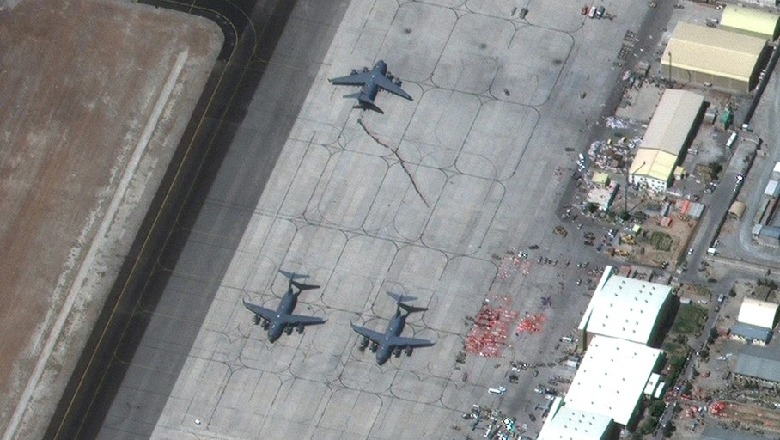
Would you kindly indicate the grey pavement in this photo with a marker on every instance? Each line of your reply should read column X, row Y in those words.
column 467, row 171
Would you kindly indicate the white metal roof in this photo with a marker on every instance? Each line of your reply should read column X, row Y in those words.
column 564, row 423
column 624, row 308
column 771, row 188
column 758, row 313
column 611, row 378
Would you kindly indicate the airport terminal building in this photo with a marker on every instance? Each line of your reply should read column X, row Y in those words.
column 717, row 57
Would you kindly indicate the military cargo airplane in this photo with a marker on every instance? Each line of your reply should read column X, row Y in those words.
column 371, row 81
column 390, row 342
column 282, row 320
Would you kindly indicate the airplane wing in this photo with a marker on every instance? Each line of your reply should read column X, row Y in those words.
column 302, row 320
column 409, row 342
column 370, row 334
column 267, row 314
column 357, row 79
column 385, row 83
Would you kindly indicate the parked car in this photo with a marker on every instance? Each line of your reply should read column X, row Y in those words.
column 497, row 390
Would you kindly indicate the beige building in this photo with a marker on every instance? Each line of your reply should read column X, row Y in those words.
column 750, row 21
column 668, row 133
column 717, row 57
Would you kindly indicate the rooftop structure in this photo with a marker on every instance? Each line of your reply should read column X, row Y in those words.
column 737, row 209
column 602, row 196
column 625, row 308
column 772, row 188
column 612, row 378
column 750, row 21
column 666, row 136
column 724, row 59
column 672, row 121
column 564, row 423
column 751, row 333
column 759, row 362
column 758, row 313
column 776, row 171
column 714, row 432
column 652, row 168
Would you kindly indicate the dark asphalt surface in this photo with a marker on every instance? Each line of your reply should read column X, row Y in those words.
column 235, row 145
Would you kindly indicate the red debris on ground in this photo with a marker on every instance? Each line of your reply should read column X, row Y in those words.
column 491, row 327
column 510, row 264
column 717, row 408
column 531, row 324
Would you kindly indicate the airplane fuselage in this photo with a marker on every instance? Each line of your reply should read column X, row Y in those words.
column 370, row 88
column 286, row 307
column 394, row 328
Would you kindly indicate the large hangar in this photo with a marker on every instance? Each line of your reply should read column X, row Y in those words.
column 612, row 378
column 750, row 21
column 667, row 135
column 625, row 308
column 723, row 59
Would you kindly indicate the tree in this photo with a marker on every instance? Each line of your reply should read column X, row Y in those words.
column 657, row 408
column 715, row 169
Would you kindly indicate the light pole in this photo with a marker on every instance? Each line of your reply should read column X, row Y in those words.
column 670, row 68
column 625, row 187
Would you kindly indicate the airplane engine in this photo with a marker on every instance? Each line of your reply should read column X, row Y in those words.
column 408, row 351
column 365, row 69
column 363, row 343
column 299, row 328
column 266, row 324
column 288, row 330
column 352, row 72
column 397, row 82
column 256, row 319
column 374, row 346
column 397, row 352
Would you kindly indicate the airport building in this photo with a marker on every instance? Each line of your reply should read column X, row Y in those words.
column 564, row 423
column 670, row 131
column 755, row 322
column 618, row 368
column 750, row 21
column 760, row 365
column 758, row 313
column 751, row 334
column 717, row 57
column 625, row 308
column 612, row 378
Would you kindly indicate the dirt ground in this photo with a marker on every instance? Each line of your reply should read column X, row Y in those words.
column 79, row 81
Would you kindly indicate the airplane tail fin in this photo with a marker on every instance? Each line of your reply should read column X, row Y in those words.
column 302, row 287
column 411, row 309
column 401, row 298
column 364, row 103
column 292, row 276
